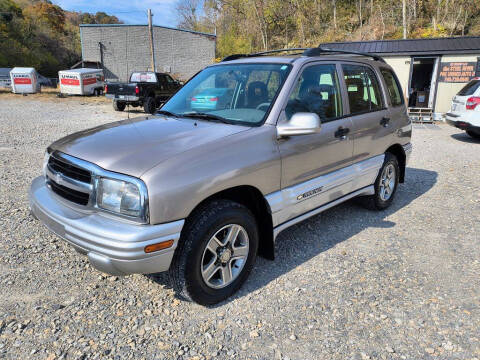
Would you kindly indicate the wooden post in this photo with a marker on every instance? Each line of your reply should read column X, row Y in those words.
column 150, row 31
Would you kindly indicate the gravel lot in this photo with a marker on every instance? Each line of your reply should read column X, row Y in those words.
column 347, row 284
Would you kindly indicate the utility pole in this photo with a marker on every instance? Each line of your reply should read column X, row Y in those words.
column 150, row 31
column 404, row 16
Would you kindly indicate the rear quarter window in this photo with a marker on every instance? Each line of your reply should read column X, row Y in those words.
column 393, row 87
column 470, row 88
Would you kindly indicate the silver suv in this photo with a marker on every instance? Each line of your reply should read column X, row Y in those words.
column 247, row 148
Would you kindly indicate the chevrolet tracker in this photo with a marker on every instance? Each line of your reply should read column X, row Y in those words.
column 247, row 148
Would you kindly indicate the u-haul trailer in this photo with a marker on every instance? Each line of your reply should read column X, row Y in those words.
column 24, row 80
column 82, row 81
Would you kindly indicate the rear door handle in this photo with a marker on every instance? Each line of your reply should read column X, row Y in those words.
column 341, row 133
column 385, row 122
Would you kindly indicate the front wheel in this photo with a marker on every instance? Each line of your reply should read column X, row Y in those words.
column 216, row 252
column 385, row 185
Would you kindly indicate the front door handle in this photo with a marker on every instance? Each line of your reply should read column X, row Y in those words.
column 385, row 122
column 341, row 133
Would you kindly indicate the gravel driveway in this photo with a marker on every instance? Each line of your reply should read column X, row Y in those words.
column 347, row 284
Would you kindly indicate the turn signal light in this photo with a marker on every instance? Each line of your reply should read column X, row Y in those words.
column 159, row 246
column 472, row 102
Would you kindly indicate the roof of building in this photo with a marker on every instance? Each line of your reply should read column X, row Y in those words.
column 158, row 26
column 458, row 45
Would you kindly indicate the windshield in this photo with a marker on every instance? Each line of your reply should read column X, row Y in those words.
column 237, row 93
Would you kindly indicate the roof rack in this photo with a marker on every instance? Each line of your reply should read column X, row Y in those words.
column 305, row 52
column 239, row 56
column 321, row 50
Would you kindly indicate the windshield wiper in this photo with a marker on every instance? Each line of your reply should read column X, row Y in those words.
column 206, row 116
column 168, row 113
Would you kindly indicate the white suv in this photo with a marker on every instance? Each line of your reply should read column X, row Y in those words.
column 465, row 111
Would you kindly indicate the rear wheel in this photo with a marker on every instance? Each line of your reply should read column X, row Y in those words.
column 119, row 105
column 475, row 135
column 216, row 252
column 149, row 105
column 385, row 185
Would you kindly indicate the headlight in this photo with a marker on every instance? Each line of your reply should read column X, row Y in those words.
column 119, row 196
column 46, row 157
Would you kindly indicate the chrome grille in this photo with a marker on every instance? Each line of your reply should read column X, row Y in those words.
column 69, row 170
column 68, row 180
column 69, row 194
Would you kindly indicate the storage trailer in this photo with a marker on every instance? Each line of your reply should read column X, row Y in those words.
column 82, row 81
column 24, row 80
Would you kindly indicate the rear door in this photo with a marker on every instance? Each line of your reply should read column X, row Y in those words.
column 371, row 119
column 162, row 90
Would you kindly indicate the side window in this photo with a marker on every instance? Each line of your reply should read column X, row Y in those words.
column 169, row 79
column 317, row 91
column 364, row 93
column 393, row 87
column 161, row 79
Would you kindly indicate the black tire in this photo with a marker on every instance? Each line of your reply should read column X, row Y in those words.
column 473, row 134
column 376, row 202
column 119, row 105
column 149, row 105
column 185, row 271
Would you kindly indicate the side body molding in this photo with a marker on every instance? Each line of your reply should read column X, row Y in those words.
column 298, row 202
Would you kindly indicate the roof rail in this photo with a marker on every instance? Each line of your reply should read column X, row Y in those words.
column 305, row 51
column 239, row 56
column 321, row 50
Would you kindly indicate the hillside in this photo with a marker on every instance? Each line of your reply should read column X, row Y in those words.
column 253, row 25
column 42, row 35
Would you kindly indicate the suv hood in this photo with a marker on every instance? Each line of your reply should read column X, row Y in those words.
column 134, row 146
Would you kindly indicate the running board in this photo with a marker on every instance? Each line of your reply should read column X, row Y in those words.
column 369, row 190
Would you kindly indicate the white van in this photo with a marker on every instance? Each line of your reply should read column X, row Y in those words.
column 81, row 81
column 24, row 80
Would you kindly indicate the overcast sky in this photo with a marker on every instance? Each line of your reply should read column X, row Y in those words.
column 129, row 11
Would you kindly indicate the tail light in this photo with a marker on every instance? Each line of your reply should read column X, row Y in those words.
column 106, row 89
column 137, row 90
column 214, row 99
column 472, row 102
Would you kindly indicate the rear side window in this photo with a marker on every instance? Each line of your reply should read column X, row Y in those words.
column 364, row 93
column 470, row 88
column 393, row 87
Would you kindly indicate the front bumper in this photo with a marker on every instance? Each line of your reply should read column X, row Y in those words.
column 112, row 246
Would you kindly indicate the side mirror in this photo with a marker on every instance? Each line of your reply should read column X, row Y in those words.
column 300, row 124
